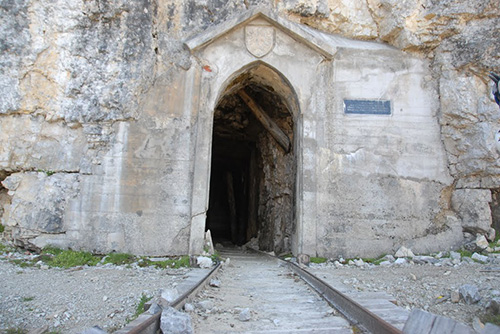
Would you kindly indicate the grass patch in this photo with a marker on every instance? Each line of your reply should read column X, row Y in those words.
column 464, row 253
column 120, row 258
column 69, row 258
column 139, row 309
column 369, row 260
column 215, row 256
column 179, row 262
column 4, row 248
column 317, row 259
column 22, row 263
column 14, row 331
column 375, row 261
column 2, row 228
column 52, row 250
column 47, row 172
column 494, row 319
column 27, row 299
column 56, row 257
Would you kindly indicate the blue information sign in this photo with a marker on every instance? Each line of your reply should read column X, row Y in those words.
column 367, row 107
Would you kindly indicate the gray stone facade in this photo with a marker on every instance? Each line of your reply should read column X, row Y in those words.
column 115, row 117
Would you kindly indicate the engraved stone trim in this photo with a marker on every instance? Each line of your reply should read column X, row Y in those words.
column 259, row 40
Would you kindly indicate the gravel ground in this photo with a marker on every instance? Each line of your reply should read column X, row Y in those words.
column 425, row 286
column 70, row 300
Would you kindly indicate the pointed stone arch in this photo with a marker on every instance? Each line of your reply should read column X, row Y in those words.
column 253, row 161
column 223, row 63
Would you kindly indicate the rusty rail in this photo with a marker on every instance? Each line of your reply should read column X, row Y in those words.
column 353, row 311
column 150, row 323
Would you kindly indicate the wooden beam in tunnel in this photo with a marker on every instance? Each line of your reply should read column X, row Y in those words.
column 266, row 121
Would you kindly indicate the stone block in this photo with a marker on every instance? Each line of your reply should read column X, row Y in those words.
column 473, row 209
column 175, row 322
column 469, row 293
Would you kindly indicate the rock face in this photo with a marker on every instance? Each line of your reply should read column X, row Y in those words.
column 107, row 110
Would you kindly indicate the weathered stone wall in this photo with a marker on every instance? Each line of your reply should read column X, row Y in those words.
column 98, row 139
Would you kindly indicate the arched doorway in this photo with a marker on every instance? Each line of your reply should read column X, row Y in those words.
column 253, row 168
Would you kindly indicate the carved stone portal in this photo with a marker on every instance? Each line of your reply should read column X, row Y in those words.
column 259, row 40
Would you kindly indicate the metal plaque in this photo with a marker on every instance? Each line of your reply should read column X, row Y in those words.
column 367, row 107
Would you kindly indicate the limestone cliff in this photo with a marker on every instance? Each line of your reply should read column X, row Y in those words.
column 72, row 72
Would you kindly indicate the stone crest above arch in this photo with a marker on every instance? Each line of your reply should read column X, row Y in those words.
column 259, row 29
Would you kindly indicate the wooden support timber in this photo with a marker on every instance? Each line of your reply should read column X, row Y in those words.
column 266, row 121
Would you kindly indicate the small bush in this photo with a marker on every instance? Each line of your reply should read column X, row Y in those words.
column 2, row 228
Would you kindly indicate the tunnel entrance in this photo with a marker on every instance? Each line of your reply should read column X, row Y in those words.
column 252, row 182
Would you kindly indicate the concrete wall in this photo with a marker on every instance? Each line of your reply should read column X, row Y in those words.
column 381, row 177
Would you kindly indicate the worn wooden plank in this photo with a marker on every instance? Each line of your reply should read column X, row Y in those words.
column 421, row 322
column 266, row 121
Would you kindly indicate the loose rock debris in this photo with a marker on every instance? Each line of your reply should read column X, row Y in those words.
column 72, row 300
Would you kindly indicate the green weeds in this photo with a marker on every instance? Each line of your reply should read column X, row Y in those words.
column 14, row 331
column 179, row 262
column 69, row 258
column 139, row 309
column 494, row 319
column 48, row 172
column 22, row 263
column 215, row 256
column 317, row 259
column 4, row 248
column 56, row 257
column 464, row 253
column 120, row 258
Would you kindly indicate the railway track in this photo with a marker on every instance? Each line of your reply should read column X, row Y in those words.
column 263, row 294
